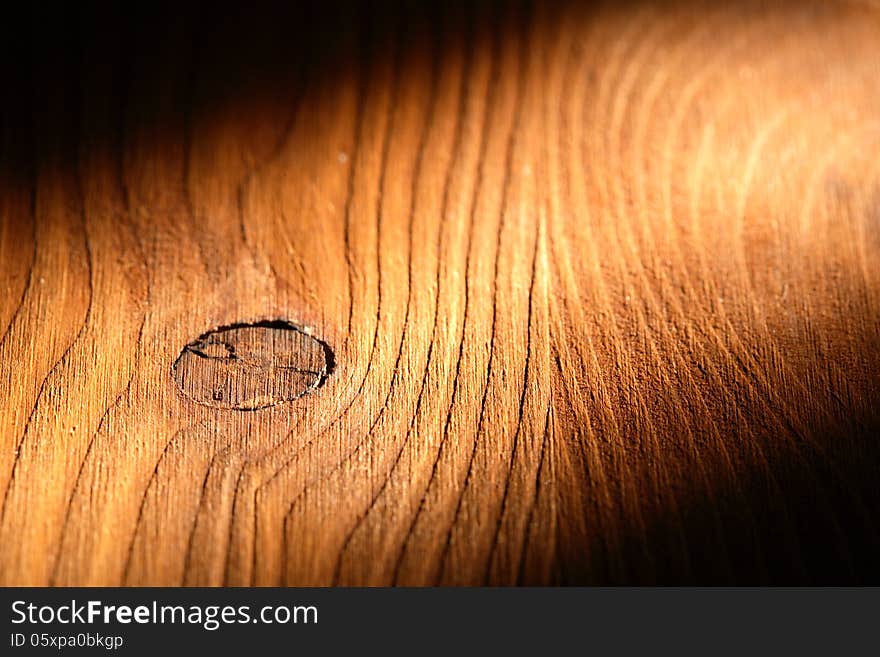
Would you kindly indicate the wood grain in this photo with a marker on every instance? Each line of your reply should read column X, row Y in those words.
column 601, row 284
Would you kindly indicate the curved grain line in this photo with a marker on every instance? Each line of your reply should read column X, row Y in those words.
column 396, row 368
column 522, row 403
column 380, row 211
column 637, row 269
column 362, row 99
column 548, row 418
column 143, row 502
column 491, row 92
column 683, row 102
column 27, row 286
column 192, row 532
column 350, row 267
column 502, row 223
column 564, row 265
column 416, row 174
column 61, row 359
column 564, row 259
column 195, row 522
column 279, row 146
column 456, row 148
column 228, row 557
column 125, row 391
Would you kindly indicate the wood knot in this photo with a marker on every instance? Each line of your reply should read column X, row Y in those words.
column 249, row 366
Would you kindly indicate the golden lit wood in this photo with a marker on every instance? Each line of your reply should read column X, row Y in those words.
column 601, row 284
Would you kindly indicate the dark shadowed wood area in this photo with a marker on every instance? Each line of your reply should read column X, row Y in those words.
column 465, row 293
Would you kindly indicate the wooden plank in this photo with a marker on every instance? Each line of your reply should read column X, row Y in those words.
column 592, row 293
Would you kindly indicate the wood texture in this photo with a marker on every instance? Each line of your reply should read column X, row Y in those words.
column 249, row 367
column 601, row 284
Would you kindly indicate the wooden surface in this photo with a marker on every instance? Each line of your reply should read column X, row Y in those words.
column 600, row 283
